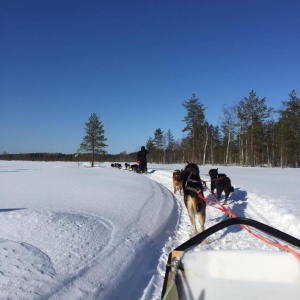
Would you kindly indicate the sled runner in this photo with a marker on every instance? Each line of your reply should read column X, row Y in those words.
column 241, row 274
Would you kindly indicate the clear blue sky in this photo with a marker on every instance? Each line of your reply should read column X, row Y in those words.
column 133, row 63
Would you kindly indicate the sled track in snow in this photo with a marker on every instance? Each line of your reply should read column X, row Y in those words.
column 239, row 203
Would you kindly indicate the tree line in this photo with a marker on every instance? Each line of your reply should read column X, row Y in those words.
column 250, row 134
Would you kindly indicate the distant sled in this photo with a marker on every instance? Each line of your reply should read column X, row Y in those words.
column 241, row 274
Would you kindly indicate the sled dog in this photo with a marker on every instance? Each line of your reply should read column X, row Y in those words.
column 177, row 182
column 221, row 183
column 192, row 186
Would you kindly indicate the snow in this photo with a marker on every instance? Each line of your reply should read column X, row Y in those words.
column 69, row 231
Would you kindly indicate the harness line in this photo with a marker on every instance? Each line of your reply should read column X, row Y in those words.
column 232, row 215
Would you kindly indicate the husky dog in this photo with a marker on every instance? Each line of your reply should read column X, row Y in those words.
column 135, row 168
column 192, row 189
column 220, row 182
column 177, row 182
column 116, row 165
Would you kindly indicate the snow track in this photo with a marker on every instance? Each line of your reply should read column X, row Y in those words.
column 70, row 232
column 241, row 203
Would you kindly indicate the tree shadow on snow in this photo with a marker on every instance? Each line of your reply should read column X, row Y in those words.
column 10, row 209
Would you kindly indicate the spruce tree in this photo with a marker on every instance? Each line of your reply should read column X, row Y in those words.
column 93, row 141
column 170, row 140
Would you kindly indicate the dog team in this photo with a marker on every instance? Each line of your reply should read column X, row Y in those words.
column 189, row 182
column 134, row 167
column 140, row 166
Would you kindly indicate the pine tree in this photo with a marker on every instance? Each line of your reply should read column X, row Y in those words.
column 289, row 129
column 228, row 129
column 151, row 148
column 170, row 146
column 252, row 115
column 215, row 146
column 195, row 126
column 93, row 141
column 158, row 142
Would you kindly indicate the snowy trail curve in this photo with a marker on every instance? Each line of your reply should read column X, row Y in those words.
column 241, row 203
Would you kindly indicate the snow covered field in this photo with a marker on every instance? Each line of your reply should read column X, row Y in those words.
column 69, row 232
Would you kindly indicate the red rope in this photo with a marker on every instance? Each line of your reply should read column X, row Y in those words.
column 232, row 215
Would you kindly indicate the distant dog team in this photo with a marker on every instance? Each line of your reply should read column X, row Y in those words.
column 134, row 167
column 116, row 165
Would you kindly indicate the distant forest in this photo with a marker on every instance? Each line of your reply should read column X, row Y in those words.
column 69, row 157
column 250, row 134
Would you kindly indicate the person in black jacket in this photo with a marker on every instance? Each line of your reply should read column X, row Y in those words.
column 142, row 157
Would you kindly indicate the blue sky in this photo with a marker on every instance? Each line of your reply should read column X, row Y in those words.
column 134, row 63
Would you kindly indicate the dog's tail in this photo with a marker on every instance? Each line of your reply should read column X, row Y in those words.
column 228, row 182
column 231, row 187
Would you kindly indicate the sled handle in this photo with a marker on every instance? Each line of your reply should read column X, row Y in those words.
column 199, row 238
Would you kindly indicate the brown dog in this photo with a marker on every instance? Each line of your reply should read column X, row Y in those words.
column 177, row 182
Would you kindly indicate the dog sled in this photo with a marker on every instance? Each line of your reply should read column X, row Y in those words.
column 241, row 274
